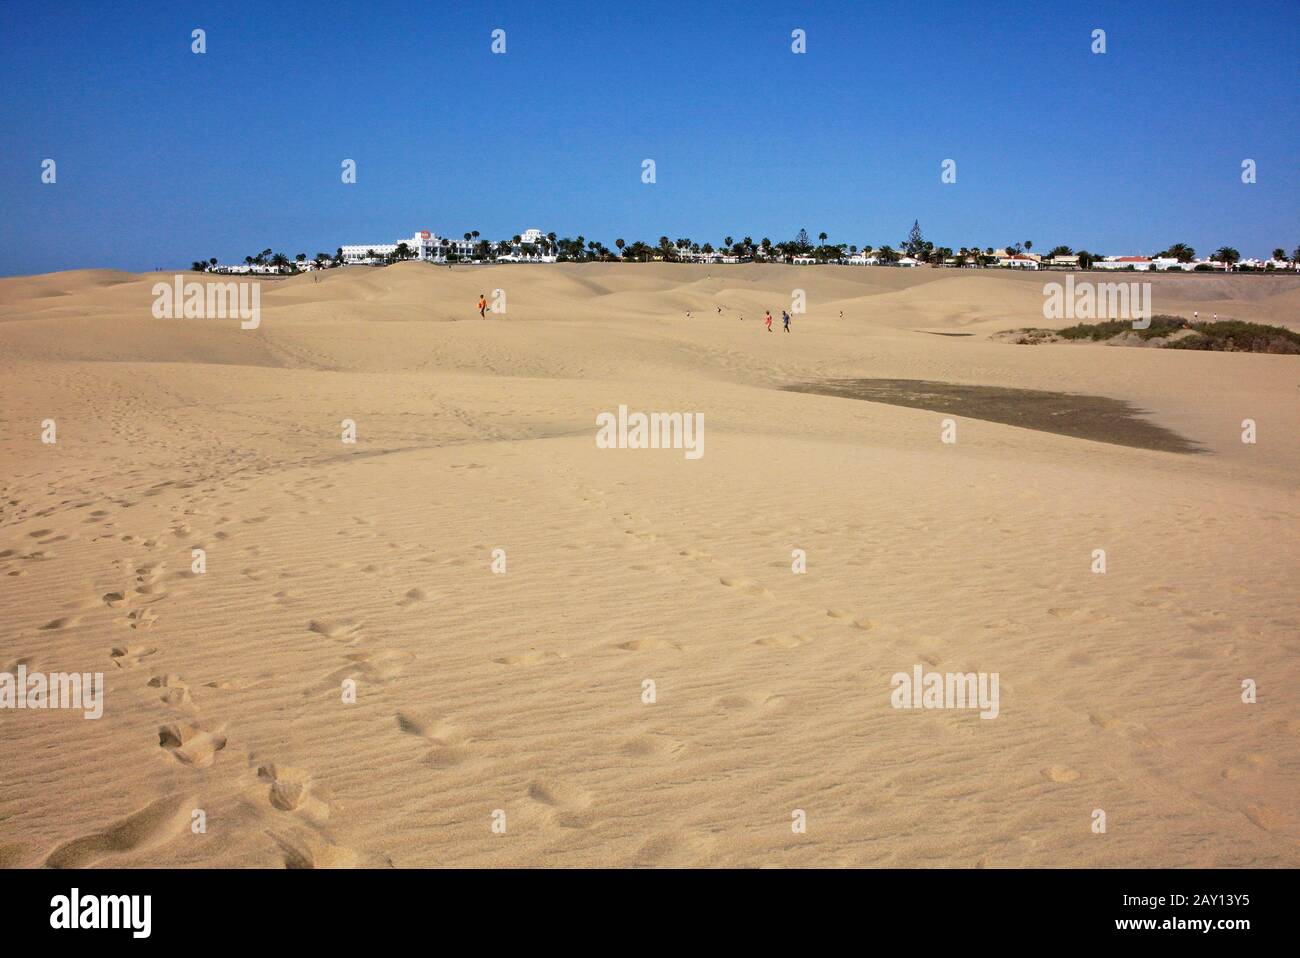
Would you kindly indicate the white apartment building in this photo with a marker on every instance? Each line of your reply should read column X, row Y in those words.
column 432, row 248
column 423, row 244
column 1141, row 263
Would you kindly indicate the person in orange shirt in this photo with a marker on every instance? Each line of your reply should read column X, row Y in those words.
column 482, row 306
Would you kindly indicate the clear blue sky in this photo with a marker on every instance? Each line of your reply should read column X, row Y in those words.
column 165, row 156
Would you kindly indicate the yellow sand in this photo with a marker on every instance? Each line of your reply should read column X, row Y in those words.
column 523, row 692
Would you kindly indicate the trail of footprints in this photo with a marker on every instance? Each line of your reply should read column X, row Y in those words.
column 190, row 741
column 286, row 790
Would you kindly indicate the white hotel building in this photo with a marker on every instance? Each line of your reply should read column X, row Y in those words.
column 432, row 248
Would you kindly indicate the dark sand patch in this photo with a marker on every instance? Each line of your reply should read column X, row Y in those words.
column 935, row 332
column 1097, row 418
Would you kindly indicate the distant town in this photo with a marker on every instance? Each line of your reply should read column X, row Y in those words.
column 534, row 246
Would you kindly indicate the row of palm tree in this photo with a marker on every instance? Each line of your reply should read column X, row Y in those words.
column 279, row 262
column 581, row 249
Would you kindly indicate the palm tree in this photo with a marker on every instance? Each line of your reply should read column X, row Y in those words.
column 279, row 261
column 248, row 261
column 199, row 266
column 1029, row 244
column 1279, row 254
column 822, row 236
column 1226, row 255
column 620, row 244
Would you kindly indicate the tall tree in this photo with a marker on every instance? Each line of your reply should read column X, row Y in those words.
column 915, row 242
column 1227, row 255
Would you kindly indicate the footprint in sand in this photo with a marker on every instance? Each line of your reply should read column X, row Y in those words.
column 63, row 622
column 315, row 851
column 1060, row 773
column 191, row 744
column 289, row 789
column 176, row 691
column 148, row 828
column 531, row 657
column 446, row 741
column 129, row 656
column 383, row 666
column 697, row 554
column 341, row 629
column 783, row 641
column 115, row 600
column 29, row 661
column 746, row 585
column 567, row 805
column 1078, row 615
column 652, row 744
column 412, row 596
column 1263, row 817
column 649, row 645
column 149, row 572
column 1105, row 721
column 140, row 619
column 673, row 849
column 744, row 702
column 848, row 618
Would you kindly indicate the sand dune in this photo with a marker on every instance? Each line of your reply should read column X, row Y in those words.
column 521, row 693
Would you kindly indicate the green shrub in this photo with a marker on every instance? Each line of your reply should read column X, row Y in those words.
column 1234, row 336
column 1161, row 325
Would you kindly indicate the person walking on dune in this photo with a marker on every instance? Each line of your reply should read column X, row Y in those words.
column 785, row 320
column 482, row 306
column 767, row 319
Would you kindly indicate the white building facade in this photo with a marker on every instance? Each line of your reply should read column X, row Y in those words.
column 432, row 248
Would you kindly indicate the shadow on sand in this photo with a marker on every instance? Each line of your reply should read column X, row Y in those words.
column 1097, row 418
